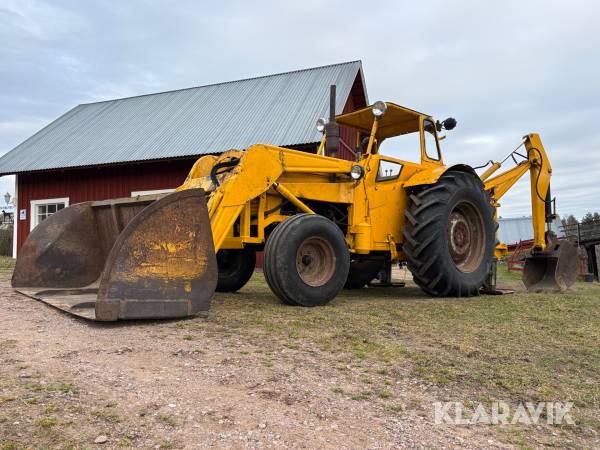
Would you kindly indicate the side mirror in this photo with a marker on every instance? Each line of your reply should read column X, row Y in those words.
column 447, row 124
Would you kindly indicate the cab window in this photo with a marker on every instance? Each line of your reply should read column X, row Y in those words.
column 388, row 170
column 431, row 145
column 405, row 146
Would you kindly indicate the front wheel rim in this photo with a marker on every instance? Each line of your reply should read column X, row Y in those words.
column 315, row 261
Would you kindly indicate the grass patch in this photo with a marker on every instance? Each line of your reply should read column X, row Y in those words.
column 168, row 420
column 52, row 409
column 397, row 408
column 65, row 388
column 11, row 446
column 7, row 263
column 520, row 347
column 106, row 415
column 35, row 387
column 362, row 395
column 125, row 442
column 31, row 401
column 47, row 422
column 384, row 394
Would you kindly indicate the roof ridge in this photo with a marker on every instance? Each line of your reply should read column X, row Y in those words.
column 225, row 82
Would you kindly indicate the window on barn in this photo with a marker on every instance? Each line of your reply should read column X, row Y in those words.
column 42, row 209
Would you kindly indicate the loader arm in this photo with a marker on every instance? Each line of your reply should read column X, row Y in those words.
column 538, row 165
column 259, row 170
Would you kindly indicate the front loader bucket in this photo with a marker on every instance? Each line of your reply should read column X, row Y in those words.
column 133, row 258
column 553, row 270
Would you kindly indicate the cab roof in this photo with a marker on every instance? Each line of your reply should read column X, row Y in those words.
column 397, row 120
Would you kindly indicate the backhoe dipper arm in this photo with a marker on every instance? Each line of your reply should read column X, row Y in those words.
column 538, row 165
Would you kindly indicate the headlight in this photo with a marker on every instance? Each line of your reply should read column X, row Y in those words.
column 357, row 172
column 321, row 124
column 379, row 108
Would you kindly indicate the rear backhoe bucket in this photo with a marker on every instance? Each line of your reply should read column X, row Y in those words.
column 133, row 258
column 553, row 270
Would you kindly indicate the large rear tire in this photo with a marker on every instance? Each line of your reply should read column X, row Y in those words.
column 306, row 260
column 235, row 269
column 450, row 236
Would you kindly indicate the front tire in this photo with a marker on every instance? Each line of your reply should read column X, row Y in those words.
column 235, row 269
column 450, row 236
column 306, row 260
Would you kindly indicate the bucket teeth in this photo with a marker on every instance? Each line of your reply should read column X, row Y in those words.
column 123, row 259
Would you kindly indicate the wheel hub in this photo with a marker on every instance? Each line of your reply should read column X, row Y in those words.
column 315, row 261
column 460, row 235
column 307, row 260
column 466, row 237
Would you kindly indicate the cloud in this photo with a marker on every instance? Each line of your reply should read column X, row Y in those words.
column 480, row 140
column 502, row 69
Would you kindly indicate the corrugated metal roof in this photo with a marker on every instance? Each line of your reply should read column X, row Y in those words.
column 278, row 109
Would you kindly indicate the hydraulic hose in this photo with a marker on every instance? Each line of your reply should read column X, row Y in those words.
column 222, row 165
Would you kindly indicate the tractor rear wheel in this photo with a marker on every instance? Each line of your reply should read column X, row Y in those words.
column 306, row 260
column 235, row 268
column 450, row 234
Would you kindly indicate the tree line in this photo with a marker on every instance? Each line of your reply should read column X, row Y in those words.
column 588, row 218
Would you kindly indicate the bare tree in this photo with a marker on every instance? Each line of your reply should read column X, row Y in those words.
column 569, row 220
column 590, row 218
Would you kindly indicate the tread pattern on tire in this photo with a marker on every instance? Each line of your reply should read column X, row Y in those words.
column 425, row 240
column 278, row 242
column 272, row 248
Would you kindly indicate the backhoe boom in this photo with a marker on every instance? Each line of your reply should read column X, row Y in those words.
column 538, row 165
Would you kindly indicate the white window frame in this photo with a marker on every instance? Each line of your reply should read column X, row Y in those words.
column 46, row 201
column 152, row 191
column 16, row 216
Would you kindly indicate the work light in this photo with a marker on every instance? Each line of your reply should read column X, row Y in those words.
column 321, row 124
column 357, row 172
column 379, row 108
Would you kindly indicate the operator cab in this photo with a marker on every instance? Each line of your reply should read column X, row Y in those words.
column 383, row 120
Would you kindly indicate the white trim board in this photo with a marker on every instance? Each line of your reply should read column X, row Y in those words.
column 34, row 203
column 16, row 216
column 152, row 191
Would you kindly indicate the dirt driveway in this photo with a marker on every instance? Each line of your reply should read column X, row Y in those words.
column 200, row 383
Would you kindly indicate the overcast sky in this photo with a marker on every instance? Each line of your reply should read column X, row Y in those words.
column 502, row 70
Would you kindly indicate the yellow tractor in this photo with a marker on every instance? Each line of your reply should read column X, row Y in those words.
column 322, row 222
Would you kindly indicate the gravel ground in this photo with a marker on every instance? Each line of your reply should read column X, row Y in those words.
column 69, row 383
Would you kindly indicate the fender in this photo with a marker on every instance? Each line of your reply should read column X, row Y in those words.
column 432, row 174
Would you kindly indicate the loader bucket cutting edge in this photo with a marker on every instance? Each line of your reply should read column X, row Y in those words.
column 553, row 270
column 123, row 259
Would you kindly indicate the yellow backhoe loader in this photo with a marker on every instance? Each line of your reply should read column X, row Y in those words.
column 323, row 223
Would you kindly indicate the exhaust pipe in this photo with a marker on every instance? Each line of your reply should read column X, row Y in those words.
column 332, row 129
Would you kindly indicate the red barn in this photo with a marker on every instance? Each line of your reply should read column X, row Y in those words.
column 147, row 143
